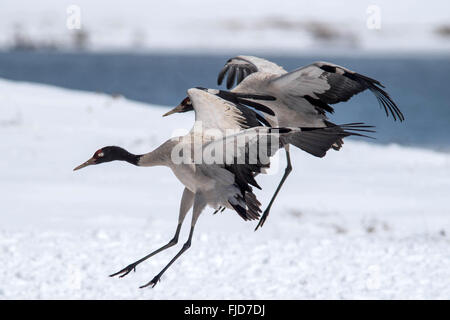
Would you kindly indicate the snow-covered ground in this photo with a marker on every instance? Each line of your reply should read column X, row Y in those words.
column 283, row 26
column 369, row 221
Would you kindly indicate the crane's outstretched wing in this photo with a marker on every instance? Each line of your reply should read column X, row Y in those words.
column 322, row 83
column 224, row 110
column 238, row 68
column 251, row 146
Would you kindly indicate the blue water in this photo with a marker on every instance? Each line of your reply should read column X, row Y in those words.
column 420, row 86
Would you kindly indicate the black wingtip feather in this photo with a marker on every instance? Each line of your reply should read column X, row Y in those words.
column 253, row 207
column 222, row 75
column 257, row 106
column 382, row 96
column 321, row 106
column 230, row 78
column 255, row 96
column 240, row 210
column 387, row 103
column 236, row 71
column 239, row 75
column 280, row 130
column 262, row 120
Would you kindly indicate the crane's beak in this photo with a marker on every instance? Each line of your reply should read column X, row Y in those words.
column 177, row 109
column 87, row 163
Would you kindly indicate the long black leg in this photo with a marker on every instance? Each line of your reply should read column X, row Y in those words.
column 132, row 266
column 186, row 204
column 287, row 171
column 186, row 246
column 199, row 205
column 219, row 210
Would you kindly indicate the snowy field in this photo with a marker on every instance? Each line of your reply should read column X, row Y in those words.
column 370, row 221
column 285, row 26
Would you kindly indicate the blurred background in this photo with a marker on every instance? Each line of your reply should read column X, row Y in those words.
column 153, row 51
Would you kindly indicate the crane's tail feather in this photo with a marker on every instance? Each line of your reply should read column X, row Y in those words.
column 248, row 207
column 317, row 141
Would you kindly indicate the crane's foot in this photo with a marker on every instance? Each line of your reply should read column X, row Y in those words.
column 262, row 219
column 152, row 283
column 125, row 271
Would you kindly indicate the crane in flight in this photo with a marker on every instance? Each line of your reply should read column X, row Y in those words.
column 301, row 98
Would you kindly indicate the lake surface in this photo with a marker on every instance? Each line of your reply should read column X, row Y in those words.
column 420, row 86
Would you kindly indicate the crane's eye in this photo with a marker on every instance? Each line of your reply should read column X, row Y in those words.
column 98, row 154
column 186, row 102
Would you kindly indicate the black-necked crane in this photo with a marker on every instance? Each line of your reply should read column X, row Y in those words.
column 301, row 99
column 227, row 183
column 215, row 184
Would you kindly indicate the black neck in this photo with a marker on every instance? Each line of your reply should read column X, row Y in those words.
column 131, row 158
column 121, row 154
